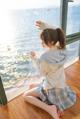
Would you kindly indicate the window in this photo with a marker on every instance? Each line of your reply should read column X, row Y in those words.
column 73, row 22
column 19, row 37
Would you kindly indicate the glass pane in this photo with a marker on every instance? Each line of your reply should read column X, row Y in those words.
column 19, row 37
column 73, row 52
column 73, row 20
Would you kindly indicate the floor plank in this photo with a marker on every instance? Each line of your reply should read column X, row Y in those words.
column 18, row 109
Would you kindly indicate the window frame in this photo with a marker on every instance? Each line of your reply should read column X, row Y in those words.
column 3, row 98
column 64, row 10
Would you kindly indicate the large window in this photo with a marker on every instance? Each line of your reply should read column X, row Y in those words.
column 21, row 37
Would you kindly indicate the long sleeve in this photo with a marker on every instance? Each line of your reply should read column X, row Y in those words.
column 41, row 65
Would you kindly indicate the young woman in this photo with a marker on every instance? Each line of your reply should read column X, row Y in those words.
column 56, row 95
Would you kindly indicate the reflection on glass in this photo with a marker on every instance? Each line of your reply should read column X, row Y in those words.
column 73, row 20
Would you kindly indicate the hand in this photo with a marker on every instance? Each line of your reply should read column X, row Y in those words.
column 41, row 25
column 33, row 54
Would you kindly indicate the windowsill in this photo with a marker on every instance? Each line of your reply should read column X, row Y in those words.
column 18, row 91
column 71, row 62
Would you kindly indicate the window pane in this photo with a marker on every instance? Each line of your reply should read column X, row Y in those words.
column 73, row 20
column 19, row 37
column 72, row 52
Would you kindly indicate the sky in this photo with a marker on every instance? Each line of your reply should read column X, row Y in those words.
column 24, row 4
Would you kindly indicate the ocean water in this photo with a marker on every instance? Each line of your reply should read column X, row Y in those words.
column 15, row 61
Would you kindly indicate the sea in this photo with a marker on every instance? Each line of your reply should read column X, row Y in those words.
column 15, row 62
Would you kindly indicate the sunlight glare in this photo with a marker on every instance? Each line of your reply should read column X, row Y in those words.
column 6, row 28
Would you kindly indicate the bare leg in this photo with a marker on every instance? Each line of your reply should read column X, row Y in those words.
column 30, row 97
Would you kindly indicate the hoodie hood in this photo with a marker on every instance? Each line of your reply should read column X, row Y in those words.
column 55, row 56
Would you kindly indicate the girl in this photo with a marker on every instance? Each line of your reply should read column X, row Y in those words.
column 53, row 94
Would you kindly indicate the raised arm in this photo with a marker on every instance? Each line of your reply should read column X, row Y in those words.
column 43, row 25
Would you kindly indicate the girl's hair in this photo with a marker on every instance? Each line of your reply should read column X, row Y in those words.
column 53, row 36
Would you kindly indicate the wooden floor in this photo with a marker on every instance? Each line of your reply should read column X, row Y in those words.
column 18, row 109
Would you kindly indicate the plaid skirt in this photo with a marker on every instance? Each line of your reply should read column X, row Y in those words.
column 62, row 98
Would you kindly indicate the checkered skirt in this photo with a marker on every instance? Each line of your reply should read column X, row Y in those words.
column 62, row 98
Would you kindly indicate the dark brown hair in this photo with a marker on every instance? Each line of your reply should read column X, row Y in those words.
column 53, row 36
